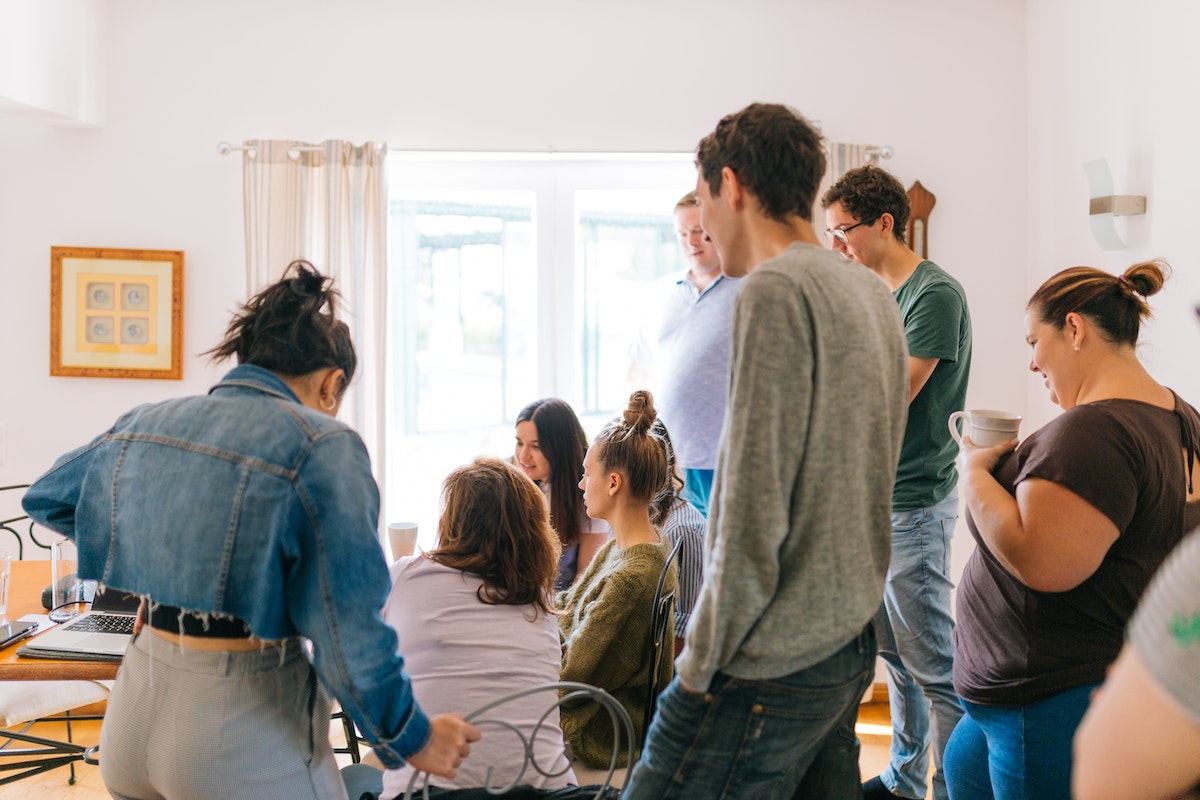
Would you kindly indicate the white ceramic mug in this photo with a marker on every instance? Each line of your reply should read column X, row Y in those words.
column 987, row 427
column 402, row 538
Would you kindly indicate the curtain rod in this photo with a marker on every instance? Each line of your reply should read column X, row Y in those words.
column 225, row 148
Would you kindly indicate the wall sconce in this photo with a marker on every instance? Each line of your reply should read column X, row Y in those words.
column 1104, row 206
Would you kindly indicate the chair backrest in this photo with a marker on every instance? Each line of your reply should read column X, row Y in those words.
column 14, row 494
column 564, row 692
column 662, row 616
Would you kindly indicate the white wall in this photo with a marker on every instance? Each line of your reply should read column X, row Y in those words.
column 941, row 81
column 1116, row 79
column 48, row 59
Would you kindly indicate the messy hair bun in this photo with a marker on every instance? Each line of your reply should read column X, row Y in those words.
column 628, row 446
column 639, row 415
column 291, row 327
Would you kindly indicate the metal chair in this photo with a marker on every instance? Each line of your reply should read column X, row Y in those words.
column 571, row 691
column 43, row 701
column 661, row 618
column 6, row 525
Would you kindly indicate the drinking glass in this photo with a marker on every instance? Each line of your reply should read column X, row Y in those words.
column 5, row 573
column 68, row 592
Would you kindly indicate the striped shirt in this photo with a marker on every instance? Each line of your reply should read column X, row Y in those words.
column 686, row 523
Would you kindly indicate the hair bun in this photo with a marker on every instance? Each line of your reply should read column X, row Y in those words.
column 307, row 280
column 1148, row 277
column 639, row 415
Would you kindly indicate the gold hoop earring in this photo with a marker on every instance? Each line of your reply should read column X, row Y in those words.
column 332, row 404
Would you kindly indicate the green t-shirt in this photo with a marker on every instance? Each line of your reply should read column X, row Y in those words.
column 937, row 325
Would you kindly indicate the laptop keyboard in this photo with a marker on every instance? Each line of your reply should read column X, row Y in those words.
column 102, row 623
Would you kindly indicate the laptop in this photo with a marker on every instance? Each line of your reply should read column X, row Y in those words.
column 99, row 635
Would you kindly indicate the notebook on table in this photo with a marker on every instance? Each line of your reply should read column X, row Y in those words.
column 99, row 635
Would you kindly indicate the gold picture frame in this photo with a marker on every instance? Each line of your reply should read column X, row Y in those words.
column 116, row 313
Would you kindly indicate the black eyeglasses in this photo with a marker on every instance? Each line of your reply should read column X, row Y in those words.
column 840, row 233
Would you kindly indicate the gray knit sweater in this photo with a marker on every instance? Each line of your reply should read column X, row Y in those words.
column 799, row 528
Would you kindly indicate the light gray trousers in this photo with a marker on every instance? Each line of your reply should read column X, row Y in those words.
column 185, row 724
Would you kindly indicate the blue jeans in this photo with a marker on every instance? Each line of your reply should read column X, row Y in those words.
column 697, row 486
column 1023, row 753
column 916, row 640
column 791, row 737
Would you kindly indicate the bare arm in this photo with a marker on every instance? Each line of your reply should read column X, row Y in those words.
column 1134, row 740
column 919, row 370
column 1048, row 537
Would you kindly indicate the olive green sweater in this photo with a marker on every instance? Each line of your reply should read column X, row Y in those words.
column 605, row 628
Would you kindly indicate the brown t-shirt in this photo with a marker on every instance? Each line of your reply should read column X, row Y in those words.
column 1014, row 645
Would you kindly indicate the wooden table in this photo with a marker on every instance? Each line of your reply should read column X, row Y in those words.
column 28, row 580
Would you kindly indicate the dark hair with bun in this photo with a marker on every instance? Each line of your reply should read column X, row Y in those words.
column 1117, row 305
column 629, row 446
column 291, row 327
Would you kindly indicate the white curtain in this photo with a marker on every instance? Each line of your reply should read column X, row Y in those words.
column 327, row 204
column 840, row 158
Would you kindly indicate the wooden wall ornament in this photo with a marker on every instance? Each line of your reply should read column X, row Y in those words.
column 116, row 313
column 921, row 201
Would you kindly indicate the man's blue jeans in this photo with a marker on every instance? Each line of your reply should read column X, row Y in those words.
column 1016, row 753
column 791, row 737
column 916, row 640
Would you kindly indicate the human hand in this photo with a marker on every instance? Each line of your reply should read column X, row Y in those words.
column 449, row 743
column 971, row 457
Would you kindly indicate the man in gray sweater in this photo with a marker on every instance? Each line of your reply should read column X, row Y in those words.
column 780, row 646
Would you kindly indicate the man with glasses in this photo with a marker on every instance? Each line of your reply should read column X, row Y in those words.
column 867, row 214
column 781, row 645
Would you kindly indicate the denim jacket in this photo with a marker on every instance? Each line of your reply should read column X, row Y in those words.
column 245, row 502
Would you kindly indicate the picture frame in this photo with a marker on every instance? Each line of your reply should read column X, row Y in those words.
column 116, row 313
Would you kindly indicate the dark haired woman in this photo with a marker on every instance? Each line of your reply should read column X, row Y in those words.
column 1069, row 530
column 477, row 622
column 549, row 449
column 606, row 614
column 248, row 517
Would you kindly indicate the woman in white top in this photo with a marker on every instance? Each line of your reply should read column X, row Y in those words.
column 549, row 449
column 476, row 619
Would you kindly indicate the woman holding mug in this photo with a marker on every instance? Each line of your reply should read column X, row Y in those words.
column 549, row 449
column 1069, row 529
column 249, row 519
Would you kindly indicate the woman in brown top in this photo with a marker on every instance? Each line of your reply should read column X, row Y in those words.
column 1069, row 529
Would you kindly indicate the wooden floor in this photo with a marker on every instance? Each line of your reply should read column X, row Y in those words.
column 873, row 730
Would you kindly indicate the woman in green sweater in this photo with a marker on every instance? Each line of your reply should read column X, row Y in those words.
column 606, row 615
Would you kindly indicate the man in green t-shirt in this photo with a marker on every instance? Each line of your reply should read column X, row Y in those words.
column 867, row 214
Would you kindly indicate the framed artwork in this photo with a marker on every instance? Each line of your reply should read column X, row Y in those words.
column 116, row 313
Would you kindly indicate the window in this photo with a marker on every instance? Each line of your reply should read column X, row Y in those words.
column 513, row 278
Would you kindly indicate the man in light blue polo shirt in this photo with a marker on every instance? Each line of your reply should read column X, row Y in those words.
column 691, row 354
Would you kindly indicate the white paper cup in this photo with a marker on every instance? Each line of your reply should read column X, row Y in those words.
column 987, row 427
column 402, row 539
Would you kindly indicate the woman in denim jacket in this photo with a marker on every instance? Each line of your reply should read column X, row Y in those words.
column 248, row 518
